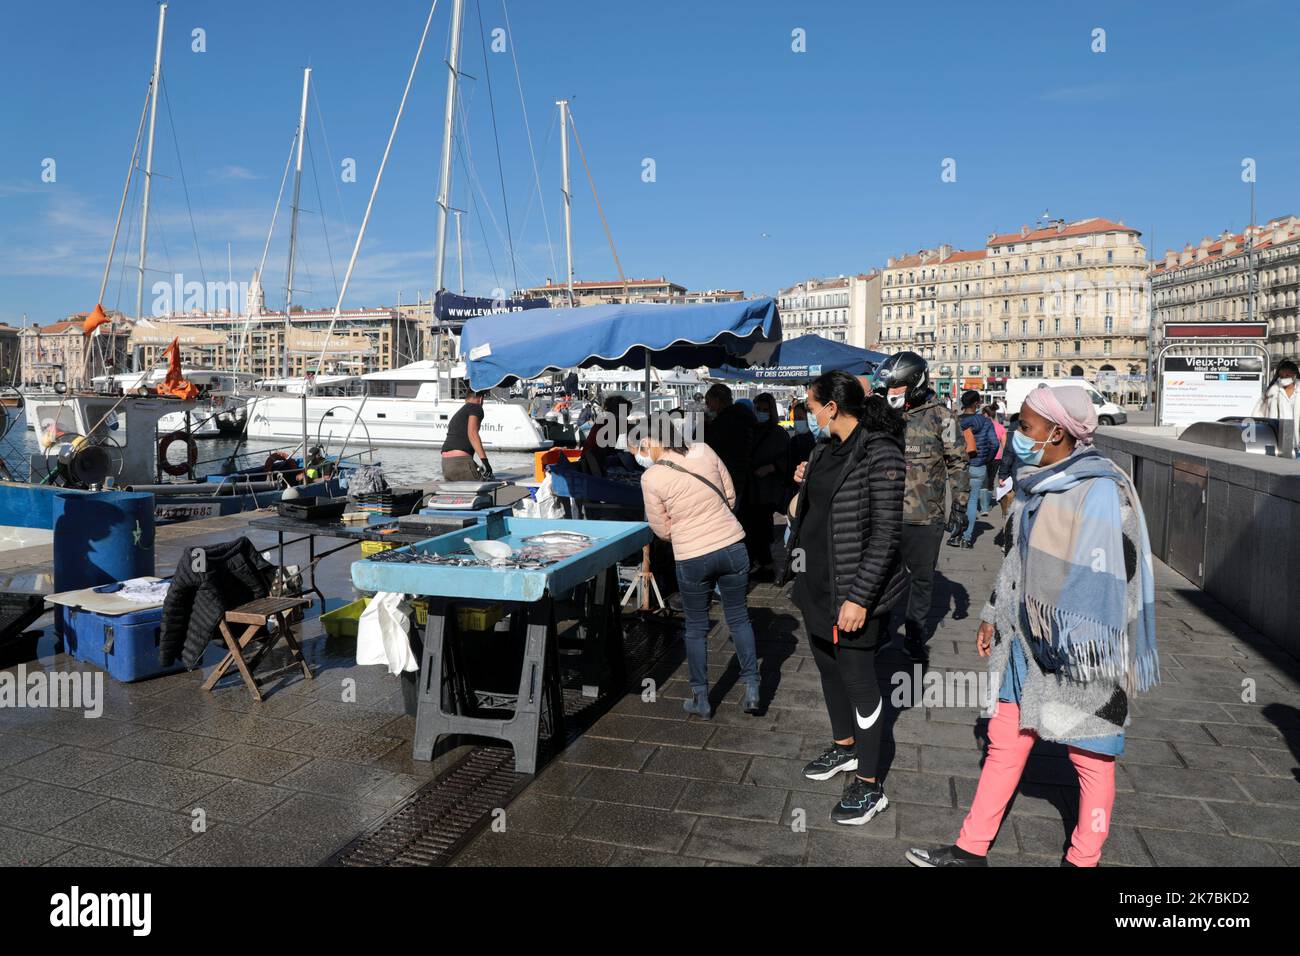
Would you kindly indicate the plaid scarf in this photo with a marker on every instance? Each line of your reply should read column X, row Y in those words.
column 1084, row 613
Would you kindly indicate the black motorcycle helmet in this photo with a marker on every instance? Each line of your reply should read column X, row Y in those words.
column 904, row 368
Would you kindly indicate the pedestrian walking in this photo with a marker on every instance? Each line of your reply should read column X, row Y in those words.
column 995, row 469
column 936, row 466
column 844, row 553
column 981, row 445
column 1281, row 400
column 689, row 497
column 1069, row 630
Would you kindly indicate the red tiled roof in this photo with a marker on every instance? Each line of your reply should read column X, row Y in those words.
column 966, row 256
column 1083, row 227
column 1215, row 251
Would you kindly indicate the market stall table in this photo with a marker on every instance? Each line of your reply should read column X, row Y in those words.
column 446, row 704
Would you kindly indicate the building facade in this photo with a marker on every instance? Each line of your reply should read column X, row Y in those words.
column 840, row 308
column 1059, row 300
column 605, row 293
column 62, row 353
column 1211, row 281
column 362, row 341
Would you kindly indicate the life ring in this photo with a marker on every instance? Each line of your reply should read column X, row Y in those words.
column 191, row 454
column 271, row 459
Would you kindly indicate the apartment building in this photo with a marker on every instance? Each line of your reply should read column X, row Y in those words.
column 1057, row 300
column 61, row 352
column 840, row 308
column 1210, row 281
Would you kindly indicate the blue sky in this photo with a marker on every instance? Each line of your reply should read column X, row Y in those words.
column 771, row 165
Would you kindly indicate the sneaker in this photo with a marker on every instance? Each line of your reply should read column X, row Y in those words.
column 944, row 856
column 861, row 801
column 834, row 760
column 967, row 543
column 955, row 540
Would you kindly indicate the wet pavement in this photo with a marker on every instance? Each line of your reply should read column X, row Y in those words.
column 1208, row 779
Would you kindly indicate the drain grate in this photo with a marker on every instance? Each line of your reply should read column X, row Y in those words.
column 433, row 824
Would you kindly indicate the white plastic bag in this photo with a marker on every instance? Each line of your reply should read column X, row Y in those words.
column 544, row 504
column 381, row 634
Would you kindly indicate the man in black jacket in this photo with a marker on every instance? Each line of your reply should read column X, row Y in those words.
column 729, row 431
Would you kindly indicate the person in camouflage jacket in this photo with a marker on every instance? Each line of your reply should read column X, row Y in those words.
column 935, row 450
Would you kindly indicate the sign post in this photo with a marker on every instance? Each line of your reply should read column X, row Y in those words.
column 1200, row 388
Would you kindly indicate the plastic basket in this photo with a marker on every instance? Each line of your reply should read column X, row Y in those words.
column 481, row 618
column 343, row 621
column 374, row 547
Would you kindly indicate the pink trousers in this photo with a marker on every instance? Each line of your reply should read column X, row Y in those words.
column 1009, row 748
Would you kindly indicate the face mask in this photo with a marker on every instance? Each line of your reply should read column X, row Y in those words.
column 763, row 417
column 817, row 429
column 1286, row 382
column 645, row 461
column 898, row 401
column 801, row 426
column 1023, row 446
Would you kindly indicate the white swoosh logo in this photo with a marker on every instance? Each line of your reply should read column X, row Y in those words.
column 867, row 722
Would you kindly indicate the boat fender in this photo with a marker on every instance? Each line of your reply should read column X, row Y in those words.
column 191, row 454
column 272, row 459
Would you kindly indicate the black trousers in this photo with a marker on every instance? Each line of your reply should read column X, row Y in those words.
column 852, row 693
column 920, row 547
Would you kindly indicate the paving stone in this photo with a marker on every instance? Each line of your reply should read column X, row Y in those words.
column 23, row 848
column 739, row 801
column 128, row 828
column 1146, row 811
column 811, row 811
column 836, row 848
column 785, row 774
column 700, row 764
column 68, row 766
column 1051, row 838
column 229, row 845
column 41, row 806
column 1173, row 848
column 1183, row 783
column 744, row 842
column 545, row 814
column 931, row 826
column 336, row 713
column 92, row 856
column 395, row 789
column 628, row 857
column 162, row 746
column 1279, row 763
column 614, row 754
column 252, row 763
column 339, row 741
column 240, row 801
column 336, row 778
column 1264, row 823
column 1244, row 735
column 15, row 749
column 1206, row 758
column 246, row 729
column 639, row 827
column 317, row 818
column 1177, row 731
column 637, row 789
column 1271, row 790
column 928, row 789
column 759, row 742
column 531, row 849
column 561, row 779
column 155, row 784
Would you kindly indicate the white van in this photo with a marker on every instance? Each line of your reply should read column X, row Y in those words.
column 1108, row 413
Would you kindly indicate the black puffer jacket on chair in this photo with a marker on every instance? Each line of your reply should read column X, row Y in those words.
column 233, row 573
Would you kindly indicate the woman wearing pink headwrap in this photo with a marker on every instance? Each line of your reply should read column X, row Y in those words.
column 1069, row 630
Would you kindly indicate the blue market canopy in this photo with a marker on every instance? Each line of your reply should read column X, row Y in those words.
column 801, row 360
column 523, row 345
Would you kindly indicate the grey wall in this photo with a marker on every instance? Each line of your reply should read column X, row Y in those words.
column 1250, row 523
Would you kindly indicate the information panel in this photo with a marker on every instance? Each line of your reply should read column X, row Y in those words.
column 1205, row 388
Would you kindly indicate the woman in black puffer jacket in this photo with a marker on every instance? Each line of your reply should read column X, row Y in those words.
column 844, row 552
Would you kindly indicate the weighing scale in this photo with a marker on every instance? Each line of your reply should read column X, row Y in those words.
column 473, row 495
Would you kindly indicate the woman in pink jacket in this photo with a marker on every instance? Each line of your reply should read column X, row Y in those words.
column 689, row 499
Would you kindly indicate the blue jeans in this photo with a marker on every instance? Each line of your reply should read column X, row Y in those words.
column 979, row 476
column 728, row 568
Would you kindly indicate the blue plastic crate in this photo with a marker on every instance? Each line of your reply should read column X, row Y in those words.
column 124, row 645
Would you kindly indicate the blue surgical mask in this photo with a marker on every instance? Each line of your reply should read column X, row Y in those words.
column 818, row 430
column 1023, row 446
column 763, row 417
column 801, row 426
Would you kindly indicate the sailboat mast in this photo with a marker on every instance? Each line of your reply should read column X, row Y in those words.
column 148, row 162
column 293, row 220
column 460, row 254
column 568, row 196
column 448, row 123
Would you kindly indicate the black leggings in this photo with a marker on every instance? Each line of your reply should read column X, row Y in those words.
column 853, row 695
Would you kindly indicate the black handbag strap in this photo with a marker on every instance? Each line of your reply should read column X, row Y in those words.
column 686, row 471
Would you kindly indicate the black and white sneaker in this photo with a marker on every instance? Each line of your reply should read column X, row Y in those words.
column 835, row 759
column 944, row 856
column 861, row 801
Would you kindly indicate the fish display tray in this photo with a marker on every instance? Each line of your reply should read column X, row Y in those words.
column 612, row 541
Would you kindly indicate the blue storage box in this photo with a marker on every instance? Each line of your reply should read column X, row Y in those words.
column 124, row 645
